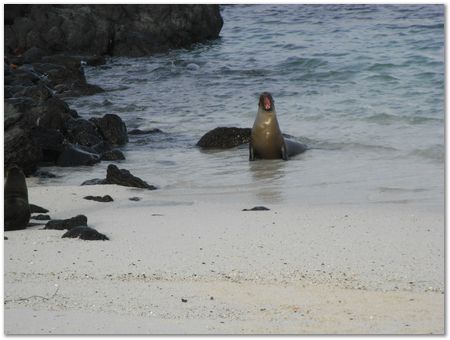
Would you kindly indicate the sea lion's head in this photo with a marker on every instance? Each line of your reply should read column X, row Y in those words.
column 266, row 102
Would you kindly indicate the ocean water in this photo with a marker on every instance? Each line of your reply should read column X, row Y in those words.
column 362, row 86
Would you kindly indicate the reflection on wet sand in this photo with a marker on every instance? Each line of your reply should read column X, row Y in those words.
column 268, row 177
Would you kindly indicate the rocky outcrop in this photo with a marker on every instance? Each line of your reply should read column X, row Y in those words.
column 225, row 137
column 85, row 233
column 75, row 156
column 40, row 128
column 119, row 30
column 123, row 177
column 103, row 199
column 114, row 175
column 46, row 48
column 112, row 129
column 79, row 220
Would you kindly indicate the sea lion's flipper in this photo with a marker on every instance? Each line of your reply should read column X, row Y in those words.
column 251, row 152
column 294, row 148
column 284, row 152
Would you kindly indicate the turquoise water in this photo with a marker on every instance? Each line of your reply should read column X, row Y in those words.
column 363, row 86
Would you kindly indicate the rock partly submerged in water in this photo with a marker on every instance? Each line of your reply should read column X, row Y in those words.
column 95, row 181
column 46, row 49
column 138, row 132
column 114, row 175
column 225, row 137
column 75, row 156
column 85, row 233
column 40, row 127
column 123, row 177
column 105, row 198
column 112, row 129
column 113, row 155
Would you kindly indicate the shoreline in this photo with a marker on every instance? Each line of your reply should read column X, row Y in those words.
column 263, row 269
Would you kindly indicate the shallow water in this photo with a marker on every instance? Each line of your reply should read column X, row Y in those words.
column 363, row 86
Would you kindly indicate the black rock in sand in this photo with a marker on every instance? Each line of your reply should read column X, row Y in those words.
column 79, row 220
column 85, row 233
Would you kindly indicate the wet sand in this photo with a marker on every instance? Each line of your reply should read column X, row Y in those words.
column 200, row 265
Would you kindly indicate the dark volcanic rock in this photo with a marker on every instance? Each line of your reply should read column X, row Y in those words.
column 85, row 233
column 21, row 150
column 114, row 175
column 44, row 174
column 95, row 181
column 46, row 50
column 112, row 129
column 37, row 92
column 105, row 198
column 113, row 155
column 75, row 156
column 79, row 220
column 107, row 152
column 259, row 208
column 54, row 114
column 41, row 217
column 37, row 209
column 225, row 137
column 95, row 60
column 83, row 132
column 123, row 177
column 102, row 147
column 66, row 74
column 50, row 141
column 127, row 30
column 33, row 54
column 137, row 132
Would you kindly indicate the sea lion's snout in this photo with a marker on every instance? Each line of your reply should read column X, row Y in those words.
column 266, row 101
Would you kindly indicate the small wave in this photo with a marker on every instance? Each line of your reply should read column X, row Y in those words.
column 422, row 60
column 330, row 54
column 305, row 63
column 435, row 26
column 355, row 146
column 400, row 190
column 131, row 108
column 382, row 67
column 419, row 27
column 426, row 75
column 290, row 47
column 386, row 118
column 326, row 76
column 383, row 78
column 192, row 67
column 435, row 153
column 332, row 146
column 225, row 70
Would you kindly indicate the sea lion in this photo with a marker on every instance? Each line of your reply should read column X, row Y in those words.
column 266, row 139
column 17, row 209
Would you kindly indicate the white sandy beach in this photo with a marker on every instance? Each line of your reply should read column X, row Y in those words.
column 180, row 264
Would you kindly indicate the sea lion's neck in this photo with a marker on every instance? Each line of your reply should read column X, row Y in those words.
column 265, row 119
